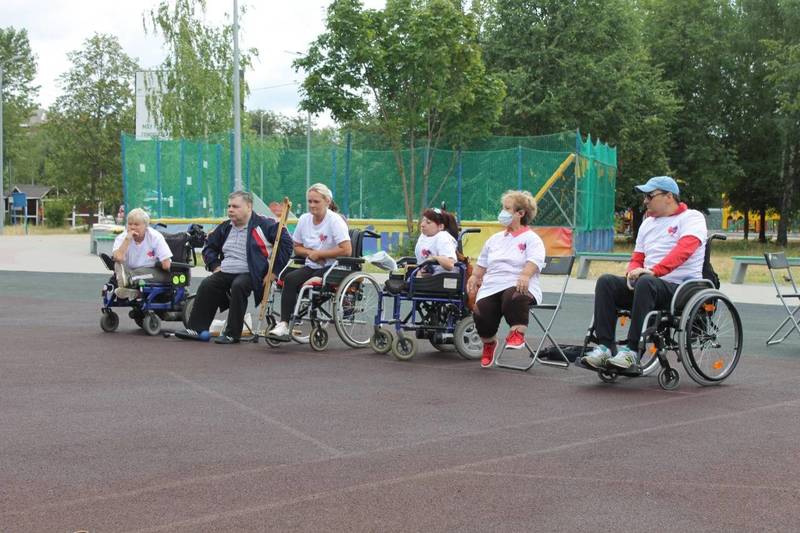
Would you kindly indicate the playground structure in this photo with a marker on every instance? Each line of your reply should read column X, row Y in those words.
column 572, row 177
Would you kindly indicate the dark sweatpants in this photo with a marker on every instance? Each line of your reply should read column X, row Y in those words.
column 612, row 293
column 213, row 294
column 509, row 304
column 291, row 287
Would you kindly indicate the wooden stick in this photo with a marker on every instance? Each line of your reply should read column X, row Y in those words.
column 287, row 206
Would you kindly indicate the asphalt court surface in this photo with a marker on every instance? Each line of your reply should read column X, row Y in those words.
column 125, row 432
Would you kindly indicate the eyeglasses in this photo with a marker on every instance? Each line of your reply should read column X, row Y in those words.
column 651, row 195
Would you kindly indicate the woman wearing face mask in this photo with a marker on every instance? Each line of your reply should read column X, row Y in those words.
column 506, row 276
column 437, row 240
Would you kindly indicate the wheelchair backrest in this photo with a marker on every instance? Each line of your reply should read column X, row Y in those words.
column 708, row 270
column 356, row 242
column 178, row 245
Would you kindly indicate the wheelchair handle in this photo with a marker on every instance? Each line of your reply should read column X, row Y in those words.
column 718, row 237
column 371, row 234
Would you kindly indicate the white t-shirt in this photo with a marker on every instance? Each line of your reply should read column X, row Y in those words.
column 659, row 235
column 441, row 244
column 152, row 249
column 328, row 234
column 504, row 256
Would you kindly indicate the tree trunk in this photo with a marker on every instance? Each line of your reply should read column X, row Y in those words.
column 762, row 225
column 638, row 218
column 787, row 179
column 746, row 220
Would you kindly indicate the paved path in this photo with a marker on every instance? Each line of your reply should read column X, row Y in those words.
column 125, row 432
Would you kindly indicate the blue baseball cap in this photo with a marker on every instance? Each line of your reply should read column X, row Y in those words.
column 661, row 183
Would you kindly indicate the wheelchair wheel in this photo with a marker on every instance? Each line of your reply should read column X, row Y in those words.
column 319, row 339
column 606, row 376
column 669, row 379
column 466, row 339
column 188, row 304
column 151, row 324
column 710, row 338
column 381, row 341
column 109, row 321
column 355, row 308
column 404, row 348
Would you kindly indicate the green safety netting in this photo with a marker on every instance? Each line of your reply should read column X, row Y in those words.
column 191, row 179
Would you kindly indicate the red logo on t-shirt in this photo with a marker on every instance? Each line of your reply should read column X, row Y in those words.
column 151, row 253
column 672, row 230
column 425, row 252
column 323, row 238
column 522, row 246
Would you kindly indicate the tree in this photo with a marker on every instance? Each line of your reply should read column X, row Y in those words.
column 275, row 123
column 584, row 65
column 19, row 69
column 86, row 121
column 196, row 76
column 691, row 41
column 414, row 69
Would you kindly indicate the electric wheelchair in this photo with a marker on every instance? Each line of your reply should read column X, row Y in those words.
column 329, row 299
column 702, row 327
column 438, row 310
column 158, row 301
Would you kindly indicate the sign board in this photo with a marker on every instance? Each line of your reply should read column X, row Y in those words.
column 147, row 84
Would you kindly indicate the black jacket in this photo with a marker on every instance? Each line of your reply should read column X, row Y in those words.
column 260, row 244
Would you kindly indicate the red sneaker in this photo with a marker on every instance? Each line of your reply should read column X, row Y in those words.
column 487, row 358
column 515, row 340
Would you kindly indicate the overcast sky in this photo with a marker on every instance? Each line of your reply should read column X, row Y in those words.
column 275, row 28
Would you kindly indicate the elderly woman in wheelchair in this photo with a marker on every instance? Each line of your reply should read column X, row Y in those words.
column 151, row 274
column 670, row 304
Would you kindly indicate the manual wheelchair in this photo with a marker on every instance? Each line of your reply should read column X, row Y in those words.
column 702, row 327
column 333, row 298
column 438, row 312
column 159, row 301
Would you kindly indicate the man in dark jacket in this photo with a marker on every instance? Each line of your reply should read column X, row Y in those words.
column 237, row 253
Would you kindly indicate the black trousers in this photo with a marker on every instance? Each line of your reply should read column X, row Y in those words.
column 612, row 293
column 291, row 287
column 213, row 294
column 509, row 304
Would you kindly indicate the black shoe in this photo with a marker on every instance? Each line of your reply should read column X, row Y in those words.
column 226, row 339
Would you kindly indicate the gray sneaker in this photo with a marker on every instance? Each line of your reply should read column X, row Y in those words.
column 126, row 294
column 597, row 357
column 625, row 358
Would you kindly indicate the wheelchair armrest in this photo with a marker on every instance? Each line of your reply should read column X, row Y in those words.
column 371, row 234
column 179, row 267
column 297, row 260
column 350, row 261
column 107, row 261
column 408, row 260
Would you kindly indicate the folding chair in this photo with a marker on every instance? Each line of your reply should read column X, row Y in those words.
column 778, row 262
column 554, row 266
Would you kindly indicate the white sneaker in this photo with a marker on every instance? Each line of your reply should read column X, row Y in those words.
column 625, row 358
column 597, row 357
column 281, row 330
column 126, row 294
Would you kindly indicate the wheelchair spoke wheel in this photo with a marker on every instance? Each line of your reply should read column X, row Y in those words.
column 355, row 309
column 404, row 348
column 466, row 339
column 710, row 338
column 188, row 304
column 669, row 379
column 151, row 324
column 381, row 341
column 109, row 321
column 319, row 339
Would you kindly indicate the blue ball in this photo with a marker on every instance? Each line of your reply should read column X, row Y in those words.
column 205, row 335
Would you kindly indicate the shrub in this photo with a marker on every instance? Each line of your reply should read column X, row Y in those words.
column 56, row 212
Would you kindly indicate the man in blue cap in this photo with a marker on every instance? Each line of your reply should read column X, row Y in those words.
column 670, row 249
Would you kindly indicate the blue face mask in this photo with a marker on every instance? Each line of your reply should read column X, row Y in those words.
column 505, row 217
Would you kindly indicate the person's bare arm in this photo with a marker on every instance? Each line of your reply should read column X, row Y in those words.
column 475, row 280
